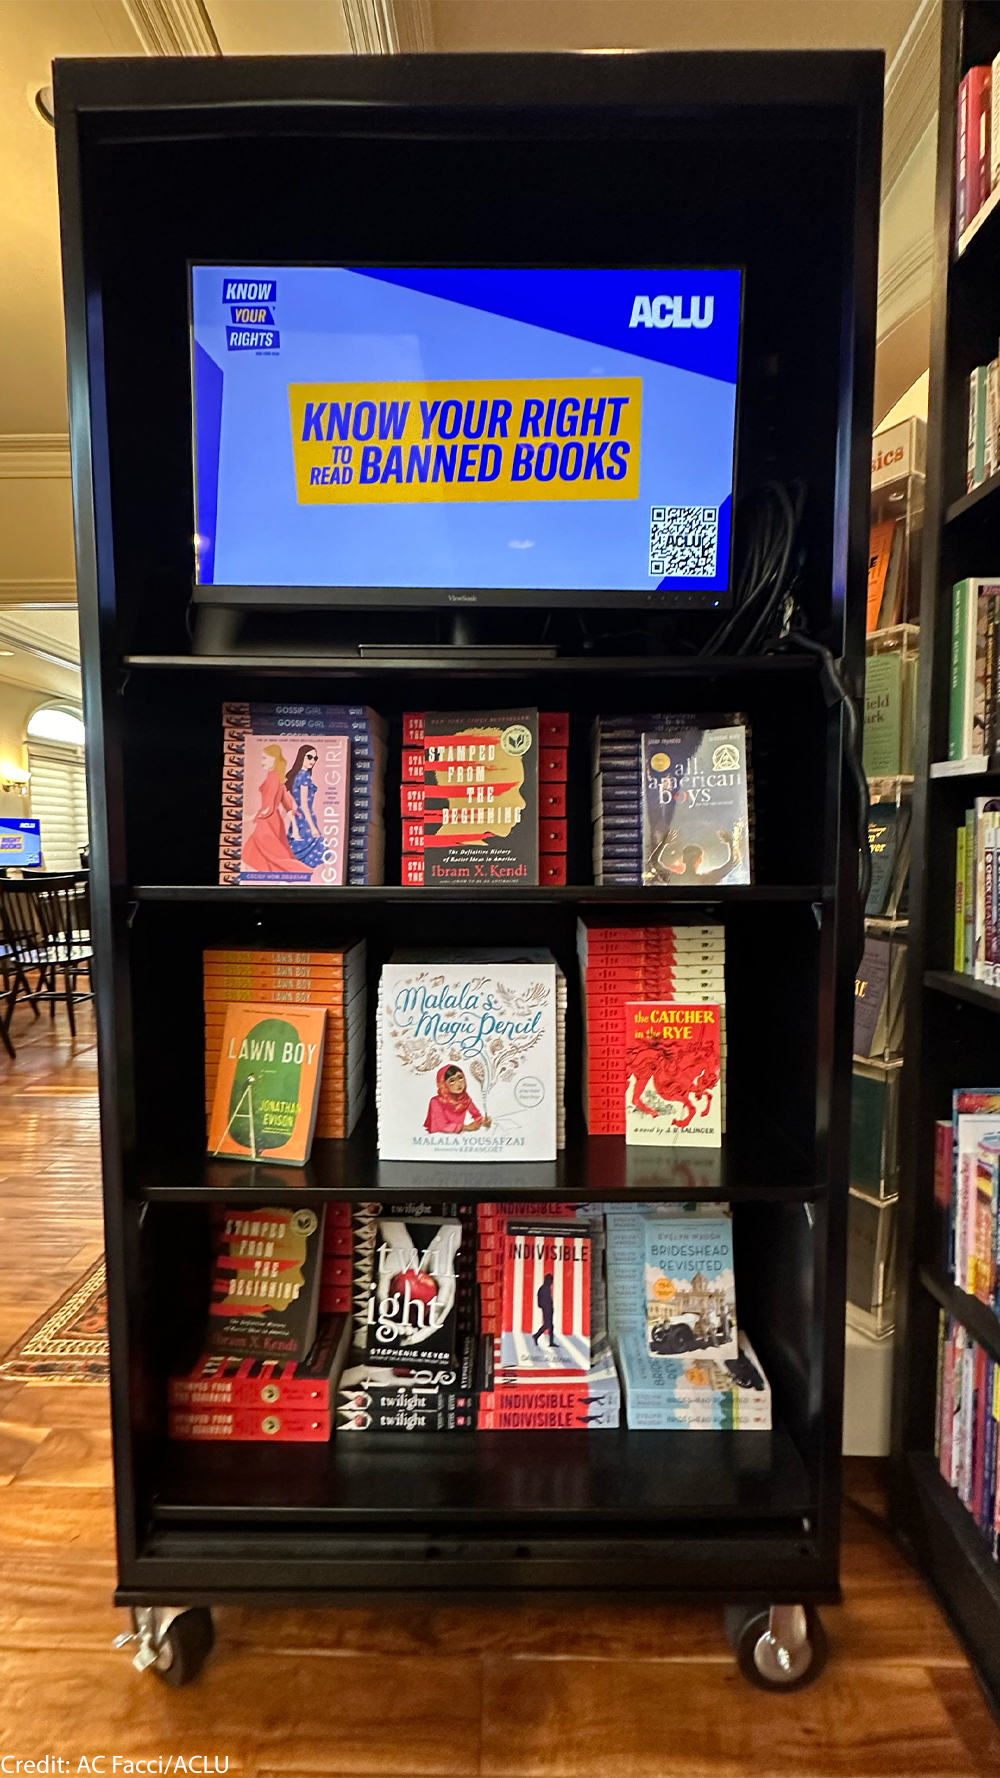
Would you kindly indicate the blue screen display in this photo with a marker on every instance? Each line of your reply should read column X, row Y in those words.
column 449, row 429
column 20, row 842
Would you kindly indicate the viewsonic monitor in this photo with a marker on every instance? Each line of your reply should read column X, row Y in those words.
column 20, row 842
column 465, row 436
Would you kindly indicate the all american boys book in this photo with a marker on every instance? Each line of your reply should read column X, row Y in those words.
column 467, row 1059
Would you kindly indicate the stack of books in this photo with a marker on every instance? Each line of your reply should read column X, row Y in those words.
column 983, row 445
column 671, row 800
column 967, row 1191
column 967, row 1429
column 302, row 794
column 470, row 1056
column 333, row 979
column 972, row 715
column 271, row 1363
column 620, row 965
column 483, row 797
column 977, row 149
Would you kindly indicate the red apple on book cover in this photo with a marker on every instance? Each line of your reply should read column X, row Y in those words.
column 421, row 1286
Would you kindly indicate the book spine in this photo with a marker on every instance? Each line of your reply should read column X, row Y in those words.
column 958, row 946
column 979, row 136
column 944, row 1173
column 956, row 709
column 962, row 160
column 970, row 889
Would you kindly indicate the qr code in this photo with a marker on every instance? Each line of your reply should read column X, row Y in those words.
column 683, row 541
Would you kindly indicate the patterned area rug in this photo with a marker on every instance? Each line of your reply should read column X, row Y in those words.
column 69, row 1343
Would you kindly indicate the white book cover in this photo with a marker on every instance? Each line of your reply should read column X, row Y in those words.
column 467, row 1060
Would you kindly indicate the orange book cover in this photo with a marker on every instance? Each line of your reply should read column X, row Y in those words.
column 267, row 1086
column 879, row 557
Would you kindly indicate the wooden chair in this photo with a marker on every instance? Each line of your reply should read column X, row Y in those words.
column 45, row 935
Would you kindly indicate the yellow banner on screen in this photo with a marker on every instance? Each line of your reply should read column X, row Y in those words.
column 564, row 438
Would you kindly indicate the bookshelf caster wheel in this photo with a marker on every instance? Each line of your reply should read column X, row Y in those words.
column 184, row 1647
column 778, row 1650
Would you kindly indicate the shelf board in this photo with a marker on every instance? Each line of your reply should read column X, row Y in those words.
column 398, row 896
column 972, row 229
column 982, row 500
column 595, row 1168
column 976, row 766
column 979, row 1320
column 957, row 1563
column 468, row 1477
column 963, row 987
column 354, row 665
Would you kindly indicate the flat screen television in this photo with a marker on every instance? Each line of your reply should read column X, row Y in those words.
column 20, row 842
column 376, row 435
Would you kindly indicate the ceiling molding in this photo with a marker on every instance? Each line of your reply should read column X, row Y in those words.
column 34, row 456
column 388, row 27
column 37, row 652
column 42, row 594
column 911, row 90
column 173, row 27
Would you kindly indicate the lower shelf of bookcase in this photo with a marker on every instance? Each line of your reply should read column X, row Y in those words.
column 955, row 1560
column 468, row 1479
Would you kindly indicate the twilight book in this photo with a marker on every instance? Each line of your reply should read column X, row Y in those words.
column 467, row 1067
column 267, row 1085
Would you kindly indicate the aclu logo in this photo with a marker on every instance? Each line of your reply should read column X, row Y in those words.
column 244, row 290
column 668, row 311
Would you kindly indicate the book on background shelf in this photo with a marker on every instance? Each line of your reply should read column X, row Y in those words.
column 975, row 1125
column 889, row 841
column 333, row 979
column 976, row 939
column 885, row 555
column 619, row 964
column 967, row 1426
column 974, row 155
column 267, row 1085
column 879, row 1003
column 673, row 1072
column 264, row 1294
column 972, row 711
column 470, row 1049
column 890, row 713
column 302, row 794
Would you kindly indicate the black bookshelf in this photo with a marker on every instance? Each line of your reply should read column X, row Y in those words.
column 769, row 161
column 953, row 1034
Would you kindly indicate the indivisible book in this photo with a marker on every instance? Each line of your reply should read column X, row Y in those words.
column 546, row 1302
column 588, row 1402
column 267, row 1086
column 481, row 772
column 690, row 1287
column 302, row 794
column 673, row 1072
column 695, row 816
column 468, row 1057
column 264, row 1297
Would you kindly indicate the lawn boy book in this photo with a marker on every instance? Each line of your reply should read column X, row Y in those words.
column 467, row 1058
column 693, row 1394
column 264, row 1294
column 690, row 1287
column 545, row 1325
column 695, row 818
column 481, row 797
column 413, row 1303
column 218, row 1382
column 673, row 1073
column 267, row 1085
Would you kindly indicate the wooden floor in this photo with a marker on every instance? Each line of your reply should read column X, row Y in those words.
column 623, row 1693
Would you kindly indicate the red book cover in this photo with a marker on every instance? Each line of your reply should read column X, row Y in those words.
column 222, row 1383
column 552, row 800
column 546, row 1298
column 553, row 728
column 552, row 868
column 551, row 834
column 552, row 768
column 412, row 873
column 413, row 834
column 947, row 1405
column 411, row 801
column 963, row 213
column 413, row 728
column 250, row 1425
column 413, row 765
column 978, row 171
column 979, row 1434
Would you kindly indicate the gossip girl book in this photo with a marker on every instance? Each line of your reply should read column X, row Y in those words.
column 467, row 1065
column 286, row 808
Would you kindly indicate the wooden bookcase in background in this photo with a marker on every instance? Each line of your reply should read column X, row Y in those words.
column 953, row 1022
